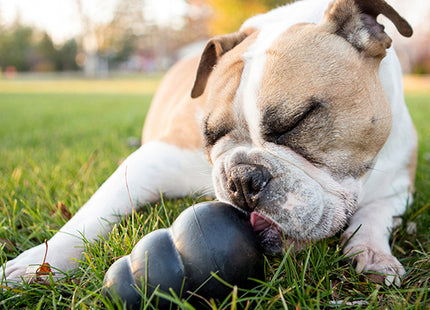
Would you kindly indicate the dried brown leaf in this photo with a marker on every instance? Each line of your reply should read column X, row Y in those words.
column 61, row 206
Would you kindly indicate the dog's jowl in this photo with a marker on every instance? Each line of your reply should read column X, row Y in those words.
column 298, row 118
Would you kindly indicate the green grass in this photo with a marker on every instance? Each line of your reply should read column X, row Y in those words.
column 57, row 148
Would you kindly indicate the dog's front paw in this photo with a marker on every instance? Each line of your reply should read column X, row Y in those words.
column 24, row 266
column 380, row 266
column 27, row 266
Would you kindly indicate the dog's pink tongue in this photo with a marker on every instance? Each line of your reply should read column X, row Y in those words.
column 259, row 222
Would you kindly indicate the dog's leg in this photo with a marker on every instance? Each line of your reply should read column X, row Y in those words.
column 367, row 239
column 153, row 168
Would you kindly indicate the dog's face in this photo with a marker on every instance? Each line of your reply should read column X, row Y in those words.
column 294, row 123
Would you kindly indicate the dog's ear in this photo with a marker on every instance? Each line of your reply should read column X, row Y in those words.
column 355, row 20
column 213, row 51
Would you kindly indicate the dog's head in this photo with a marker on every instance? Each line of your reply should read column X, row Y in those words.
column 295, row 118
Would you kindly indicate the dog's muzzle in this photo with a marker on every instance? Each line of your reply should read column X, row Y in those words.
column 245, row 185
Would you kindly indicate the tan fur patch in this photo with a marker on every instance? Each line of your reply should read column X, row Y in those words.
column 350, row 120
column 172, row 117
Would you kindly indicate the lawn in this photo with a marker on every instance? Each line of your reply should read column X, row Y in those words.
column 59, row 140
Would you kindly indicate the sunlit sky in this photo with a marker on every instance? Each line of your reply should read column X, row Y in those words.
column 60, row 18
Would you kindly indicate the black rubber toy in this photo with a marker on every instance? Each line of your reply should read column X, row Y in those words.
column 208, row 237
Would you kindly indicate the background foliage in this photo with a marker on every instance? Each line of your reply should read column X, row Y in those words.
column 228, row 15
column 27, row 49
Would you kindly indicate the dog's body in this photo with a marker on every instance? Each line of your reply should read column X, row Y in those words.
column 296, row 126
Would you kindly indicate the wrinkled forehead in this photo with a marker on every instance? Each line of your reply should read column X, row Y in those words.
column 304, row 54
column 304, row 61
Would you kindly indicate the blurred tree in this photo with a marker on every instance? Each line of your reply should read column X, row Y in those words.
column 16, row 47
column 230, row 14
column 46, row 47
column 65, row 59
column 46, row 54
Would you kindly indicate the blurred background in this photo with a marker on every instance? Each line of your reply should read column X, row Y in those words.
column 97, row 38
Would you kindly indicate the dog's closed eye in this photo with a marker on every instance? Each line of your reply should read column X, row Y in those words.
column 277, row 121
column 213, row 132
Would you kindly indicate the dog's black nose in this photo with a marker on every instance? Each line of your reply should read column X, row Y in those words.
column 245, row 183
